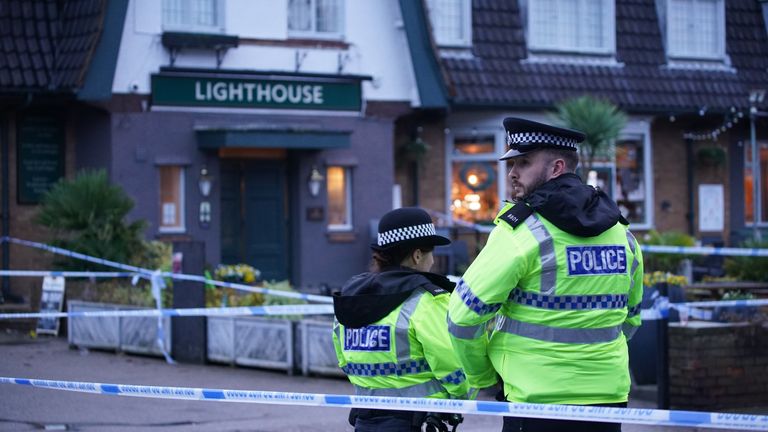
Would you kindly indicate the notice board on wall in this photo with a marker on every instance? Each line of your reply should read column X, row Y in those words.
column 40, row 155
column 52, row 300
column 711, row 208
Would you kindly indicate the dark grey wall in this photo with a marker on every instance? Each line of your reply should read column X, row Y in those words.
column 92, row 144
column 142, row 141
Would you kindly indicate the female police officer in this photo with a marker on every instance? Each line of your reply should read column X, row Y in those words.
column 390, row 335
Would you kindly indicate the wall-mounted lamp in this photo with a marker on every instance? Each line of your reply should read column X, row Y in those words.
column 314, row 182
column 205, row 182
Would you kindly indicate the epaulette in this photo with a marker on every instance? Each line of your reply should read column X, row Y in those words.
column 516, row 214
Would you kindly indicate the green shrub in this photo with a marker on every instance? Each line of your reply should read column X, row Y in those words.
column 87, row 215
column 753, row 269
column 659, row 262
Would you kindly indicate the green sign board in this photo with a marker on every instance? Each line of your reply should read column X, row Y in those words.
column 235, row 92
column 40, row 155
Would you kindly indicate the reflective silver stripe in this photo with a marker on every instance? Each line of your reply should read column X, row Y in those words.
column 337, row 330
column 629, row 330
column 546, row 254
column 473, row 302
column 632, row 246
column 569, row 302
column 403, row 324
column 634, row 310
column 464, row 332
column 558, row 334
column 419, row 390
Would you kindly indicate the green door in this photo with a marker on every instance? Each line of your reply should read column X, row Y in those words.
column 254, row 216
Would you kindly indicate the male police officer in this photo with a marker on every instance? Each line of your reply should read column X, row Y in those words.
column 564, row 277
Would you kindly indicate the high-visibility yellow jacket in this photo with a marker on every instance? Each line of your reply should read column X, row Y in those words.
column 391, row 338
column 563, row 305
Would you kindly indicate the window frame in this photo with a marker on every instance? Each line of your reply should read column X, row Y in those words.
column 643, row 136
column 720, row 55
column 314, row 34
column 638, row 130
column 348, row 194
column 465, row 27
column 762, row 219
column 609, row 27
column 182, row 227
column 499, row 144
column 218, row 27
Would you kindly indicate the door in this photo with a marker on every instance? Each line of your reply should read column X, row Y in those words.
column 254, row 216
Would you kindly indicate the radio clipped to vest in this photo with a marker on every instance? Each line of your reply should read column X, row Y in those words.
column 516, row 215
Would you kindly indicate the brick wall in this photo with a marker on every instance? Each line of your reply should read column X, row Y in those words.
column 718, row 365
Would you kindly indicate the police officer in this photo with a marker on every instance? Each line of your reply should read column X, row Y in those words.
column 562, row 275
column 390, row 334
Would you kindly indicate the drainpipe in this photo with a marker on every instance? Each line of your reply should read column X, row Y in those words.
column 5, row 203
column 689, row 179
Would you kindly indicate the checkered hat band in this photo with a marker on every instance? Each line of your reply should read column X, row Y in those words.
column 539, row 138
column 406, row 233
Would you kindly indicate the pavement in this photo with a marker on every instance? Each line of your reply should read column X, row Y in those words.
column 24, row 408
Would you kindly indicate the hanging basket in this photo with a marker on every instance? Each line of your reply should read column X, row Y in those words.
column 711, row 156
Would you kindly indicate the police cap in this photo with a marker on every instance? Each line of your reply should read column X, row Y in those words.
column 524, row 136
column 407, row 227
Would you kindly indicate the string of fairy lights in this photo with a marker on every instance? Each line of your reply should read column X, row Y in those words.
column 730, row 119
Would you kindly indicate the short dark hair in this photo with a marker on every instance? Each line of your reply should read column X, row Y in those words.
column 570, row 157
column 393, row 257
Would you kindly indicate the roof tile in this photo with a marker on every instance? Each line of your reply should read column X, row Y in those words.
column 642, row 80
column 36, row 36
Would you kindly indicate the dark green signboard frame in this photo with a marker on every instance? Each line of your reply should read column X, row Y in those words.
column 40, row 155
column 304, row 93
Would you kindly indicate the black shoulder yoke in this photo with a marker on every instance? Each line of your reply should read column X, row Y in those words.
column 516, row 215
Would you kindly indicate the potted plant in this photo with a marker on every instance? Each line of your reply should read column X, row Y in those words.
column 266, row 342
column 88, row 215
column 600, row 120
column 711, row 156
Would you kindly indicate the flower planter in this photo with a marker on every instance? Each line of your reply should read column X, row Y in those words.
column 318, row 355
column 252, row 341
column 129, row 334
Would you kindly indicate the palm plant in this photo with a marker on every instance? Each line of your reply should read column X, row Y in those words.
column 87, row 215
column 600, row 120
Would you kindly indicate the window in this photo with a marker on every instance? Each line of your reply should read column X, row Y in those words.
column 315, row 18
column 630, row 187
column 582, row 26
column 193, row 15
column 474, row 173
column 696, row 29
column 171, row 198
column 451, row 22
column 761, row 184
column 339, row 187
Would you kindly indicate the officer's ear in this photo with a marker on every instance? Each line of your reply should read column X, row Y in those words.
column 417, row 255
column 557, row 168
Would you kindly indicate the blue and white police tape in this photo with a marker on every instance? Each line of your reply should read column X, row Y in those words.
column 77, row 274
column 178, row 276
column 560, row 412
column 704, row 250
column 693, row 310
column 184, row 312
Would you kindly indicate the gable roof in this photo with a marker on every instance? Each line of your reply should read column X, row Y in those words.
column 46, row 45
column 498, row 75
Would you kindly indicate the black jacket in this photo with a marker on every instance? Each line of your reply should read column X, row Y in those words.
column 575, row 207
column 369, row 297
